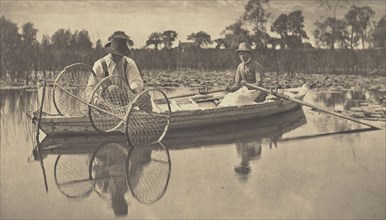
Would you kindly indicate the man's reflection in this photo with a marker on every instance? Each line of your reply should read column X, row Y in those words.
column 144, row 171
column 109, row 172
column 113, row 170
column 138, row 160
column 248, row 151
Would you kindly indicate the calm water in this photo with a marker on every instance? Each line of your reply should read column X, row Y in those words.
column 231, row 171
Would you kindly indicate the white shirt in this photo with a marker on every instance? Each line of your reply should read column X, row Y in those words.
column 132, row 73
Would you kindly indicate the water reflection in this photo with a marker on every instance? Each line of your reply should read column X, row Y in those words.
column 245, row 131
column 13, row 106
column 248, row 137
column 112, row 170
column 346, row 99
column 15, row 103
column 247, row 151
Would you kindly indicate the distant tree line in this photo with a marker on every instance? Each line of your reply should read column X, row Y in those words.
column 307, row 61
column 22, row 53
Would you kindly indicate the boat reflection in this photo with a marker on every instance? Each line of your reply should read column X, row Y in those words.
column 271, row 128
column 248, row 136
column 106, row 165
column 112, row 170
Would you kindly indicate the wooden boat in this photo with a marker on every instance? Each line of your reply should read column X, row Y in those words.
column 242, row 131
column 194, row 111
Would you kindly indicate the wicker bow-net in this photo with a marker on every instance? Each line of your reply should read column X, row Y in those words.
column 69, row 91
column 148, row 172
column 71, row 173
column 111, row 105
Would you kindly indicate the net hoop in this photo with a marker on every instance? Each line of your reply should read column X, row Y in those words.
column 119, row 148
column 60, row 75
column 157, row 189
column 117, row 113
column 131, row 115
column 82, row 195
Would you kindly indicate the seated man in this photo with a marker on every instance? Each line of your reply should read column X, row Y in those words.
column 115, row 63
column 248, row 71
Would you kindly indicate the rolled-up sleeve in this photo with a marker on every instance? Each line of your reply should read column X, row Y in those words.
column 92, row 81
column 134, row 76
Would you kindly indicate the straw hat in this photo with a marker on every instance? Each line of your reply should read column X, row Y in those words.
column 244, row 47
column 118, row 45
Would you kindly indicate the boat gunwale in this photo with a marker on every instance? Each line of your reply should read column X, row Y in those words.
column 56, row 125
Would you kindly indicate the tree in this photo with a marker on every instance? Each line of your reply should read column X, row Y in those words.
column 129, row 42
column 81, row 40
column 256, row 15
column 81, row 47
column 332, row 6
column 61, row 39
column 380, row 33
column 201, row 38
column 29, row 33
column 331, row 32
column 280, row 26
column 295, row 24
column 168, row 37
column 294, row 41
column 10, row 41
column 62, row 48
column 235, row 34
column 46, row 61
column 291, row 29
column 260, row 39
column 220, row 42
column 364, row 20
column 353, row 24
column 155, row 39
column 359, row 21
column 30, row 49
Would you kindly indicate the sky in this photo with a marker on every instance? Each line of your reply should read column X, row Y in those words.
column 139, row 19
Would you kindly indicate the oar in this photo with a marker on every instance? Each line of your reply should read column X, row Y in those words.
column 280, row 95
column 196, row 93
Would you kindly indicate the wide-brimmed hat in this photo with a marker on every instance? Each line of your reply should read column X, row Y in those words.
column 244, row 47
column 118, row 45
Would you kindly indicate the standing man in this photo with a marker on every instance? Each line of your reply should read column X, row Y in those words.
column 116, row 63
column 248, row 71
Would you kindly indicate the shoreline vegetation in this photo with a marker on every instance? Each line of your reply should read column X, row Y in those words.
column 218, row 79
column 370, row 109
column 367, row 108
column 180, row 66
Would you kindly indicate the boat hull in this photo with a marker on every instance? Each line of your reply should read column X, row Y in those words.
column 59, row 125
column 213, row 135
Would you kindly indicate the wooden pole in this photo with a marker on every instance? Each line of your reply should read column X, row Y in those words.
column 37, row 134
column 280, row 95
